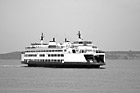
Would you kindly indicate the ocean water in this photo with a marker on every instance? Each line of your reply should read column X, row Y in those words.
column 117, row 76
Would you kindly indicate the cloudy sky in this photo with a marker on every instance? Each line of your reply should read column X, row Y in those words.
column 110, row 24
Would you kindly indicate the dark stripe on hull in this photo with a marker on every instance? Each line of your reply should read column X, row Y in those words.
column 62, row 65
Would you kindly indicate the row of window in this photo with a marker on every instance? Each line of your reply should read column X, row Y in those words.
column 30, row 55
column 45, row 51
column 55, row 55
column 84, row 51
column 45, row 60
column 43, row 55
column 85, row 42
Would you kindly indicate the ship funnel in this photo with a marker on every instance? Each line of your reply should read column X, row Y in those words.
column 53, row 39
column 66, row 40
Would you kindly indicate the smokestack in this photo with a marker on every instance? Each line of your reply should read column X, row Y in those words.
column 53, row 39
column 65, row 39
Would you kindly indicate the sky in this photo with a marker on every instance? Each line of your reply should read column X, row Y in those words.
column 112, row 25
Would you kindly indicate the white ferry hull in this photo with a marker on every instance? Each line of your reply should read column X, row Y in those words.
column 63, row 65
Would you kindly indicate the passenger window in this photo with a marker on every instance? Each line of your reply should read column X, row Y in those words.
column 42, row 55
column 62, row 55
column 73, row 51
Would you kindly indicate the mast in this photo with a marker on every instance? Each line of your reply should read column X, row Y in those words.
column 42, row 38
column 79, row 36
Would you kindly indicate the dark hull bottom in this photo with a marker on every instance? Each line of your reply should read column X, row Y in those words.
column 63, row 65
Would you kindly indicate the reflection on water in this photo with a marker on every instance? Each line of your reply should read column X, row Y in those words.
column 118, row 76
column 13, row 66
column 11, row 63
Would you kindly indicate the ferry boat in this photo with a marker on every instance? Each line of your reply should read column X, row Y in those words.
column 80, row 53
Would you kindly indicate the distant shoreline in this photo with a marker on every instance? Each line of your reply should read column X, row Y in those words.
column 110, row 55
column 123, row 55
column 11, row 55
